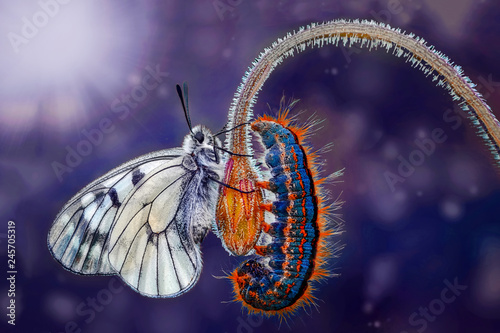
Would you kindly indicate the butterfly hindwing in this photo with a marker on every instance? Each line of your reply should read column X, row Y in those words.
column 152, row 246
column 79, row 236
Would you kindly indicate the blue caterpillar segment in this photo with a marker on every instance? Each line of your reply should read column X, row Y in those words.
column 279, row 278
column 273, row 133
column 283, row 229
column 303, row 207
column 280, row 155
column 292, row 182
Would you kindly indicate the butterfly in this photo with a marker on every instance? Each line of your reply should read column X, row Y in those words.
column 145, row 220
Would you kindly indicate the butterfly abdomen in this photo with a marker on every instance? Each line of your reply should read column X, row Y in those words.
column 278, row 281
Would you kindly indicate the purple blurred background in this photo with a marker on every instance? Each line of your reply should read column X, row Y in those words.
column 83, row 66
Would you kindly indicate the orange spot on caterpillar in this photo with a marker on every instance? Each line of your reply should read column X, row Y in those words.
column 260, row 250
column 263, row 184
column 267, row 206
column 265, row 227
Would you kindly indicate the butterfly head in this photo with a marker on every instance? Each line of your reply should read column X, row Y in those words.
column 201, row 143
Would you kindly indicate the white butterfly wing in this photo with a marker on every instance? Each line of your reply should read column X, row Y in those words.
column 151, row 244
column 79, row 236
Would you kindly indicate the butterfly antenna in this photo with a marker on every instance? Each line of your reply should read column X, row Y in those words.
column 186, row 99
column 230, row 152
column 229, row 186
column 224, row 130
column 183, row 97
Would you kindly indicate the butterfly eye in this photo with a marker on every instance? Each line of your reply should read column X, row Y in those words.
column 199, row 137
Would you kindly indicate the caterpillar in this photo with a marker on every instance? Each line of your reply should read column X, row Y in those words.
column 279, row 281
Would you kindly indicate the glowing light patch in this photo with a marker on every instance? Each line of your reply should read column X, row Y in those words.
column 55, row 41
column 55, row 49
column 69, row 43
